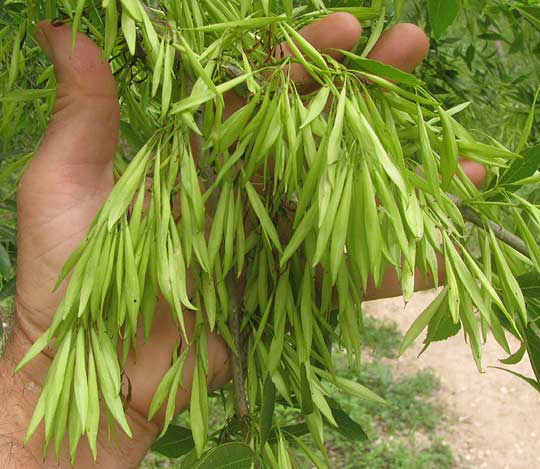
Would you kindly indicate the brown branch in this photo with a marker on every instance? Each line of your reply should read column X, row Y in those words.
column 234, row 288
column 500, row 233
column 240, row 400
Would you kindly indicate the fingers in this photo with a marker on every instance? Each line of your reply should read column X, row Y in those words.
column 403, row 46
column 336, row 31
column 476, row 172
column 83, row 131
column 71, row 175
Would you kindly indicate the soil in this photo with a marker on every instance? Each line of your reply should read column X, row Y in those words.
column 496, row 415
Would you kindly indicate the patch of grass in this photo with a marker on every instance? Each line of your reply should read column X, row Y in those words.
column 412, row 404
column 401, row 454
column 382, row 337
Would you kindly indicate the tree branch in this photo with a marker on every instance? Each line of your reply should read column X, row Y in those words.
column 240, row 401
column 500, row 233
column 234, row 289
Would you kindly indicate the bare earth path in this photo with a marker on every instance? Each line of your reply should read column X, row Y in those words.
column 498, row 416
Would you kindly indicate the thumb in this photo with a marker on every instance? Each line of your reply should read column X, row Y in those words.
column 83, row 131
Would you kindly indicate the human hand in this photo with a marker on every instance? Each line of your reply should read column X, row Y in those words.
column 68, row 182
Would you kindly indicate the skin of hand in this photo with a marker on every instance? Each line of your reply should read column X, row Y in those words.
column 60, row 193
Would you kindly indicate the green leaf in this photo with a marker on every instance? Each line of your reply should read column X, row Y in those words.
column 335, row 141
column 532, row 341
column 398, row 8
column 19, row 162
column 108, row 384
column 368, row 134
column 376, row 31
column 305, row 391
column 267, row 409
column 427, row 157
column 5, row 263
column 125, row 189
column 7, row 290
column 75, row 431
column 158, row 68
column 230, row 455
column 442, row 14
column 530, row 285
column 130, row 31
column 81, row 381
column 350, row 429
column 316, row 106
column 92, row 423
column 351, row 387
column 167, row 87
column 423, row 320
column 197, row 67
column 163, row 390
column 528, row 125
column 266, row 222
column 198, row 408
column 37, row 347
column 288, row 6
column 530, row 381
column 295, row 430
column 190, row 460
column 77, row 21
column 249, row 23
column 522, row 168
column 37, row 417
column 111, row 27
column 471, row 327
column 449, row 152
column 466, row 280
column 63, row 407
column 176, row 442
column 310, row 453
column 381, row 69
column 307, row 48
column 26, row 95
column 516, row 357
column 532, row 13
column 55, row 381
column 133, row 7
column 441, row 327
column 509, row 282
column 361, row 13
column 341, row 228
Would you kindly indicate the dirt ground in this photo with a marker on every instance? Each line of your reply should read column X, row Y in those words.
column 497, row 415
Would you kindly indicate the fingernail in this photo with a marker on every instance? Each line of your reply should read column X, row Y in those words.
column 44, row 43
column 57, row 22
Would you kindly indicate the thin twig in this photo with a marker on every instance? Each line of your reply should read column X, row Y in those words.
column 500, row 233
column 235, row 290
column 240, row 400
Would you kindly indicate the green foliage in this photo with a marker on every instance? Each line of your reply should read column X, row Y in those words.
column 7, row 241
column 442, row 14
column 393, row 430
column 21, row 67
column 373, row 154
column 489, row 57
